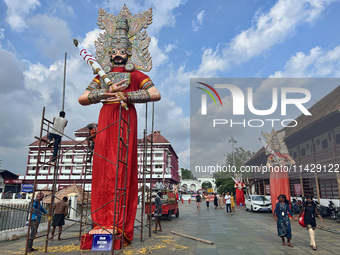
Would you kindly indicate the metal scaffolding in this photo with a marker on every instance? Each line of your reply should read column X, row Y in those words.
column 120, row 188
column 144, row 172
column 45, row 128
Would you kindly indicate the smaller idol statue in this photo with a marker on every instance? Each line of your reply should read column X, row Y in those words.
column 239, row 186
column 277, row 161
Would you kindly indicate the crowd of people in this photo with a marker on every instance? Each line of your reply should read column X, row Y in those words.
column 219, row 200
column 282, row 214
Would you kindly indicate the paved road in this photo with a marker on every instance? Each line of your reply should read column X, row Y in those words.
column 241, row 233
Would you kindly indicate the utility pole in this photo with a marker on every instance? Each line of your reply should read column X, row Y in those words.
column 232, row 141
column 62, row 107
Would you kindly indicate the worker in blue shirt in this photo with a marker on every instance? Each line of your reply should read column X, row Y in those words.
column 37, row 212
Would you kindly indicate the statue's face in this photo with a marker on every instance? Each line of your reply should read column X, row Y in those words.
column 276, row 146
column 118, row 56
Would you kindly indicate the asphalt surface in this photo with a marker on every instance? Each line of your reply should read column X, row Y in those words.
column 241, row 233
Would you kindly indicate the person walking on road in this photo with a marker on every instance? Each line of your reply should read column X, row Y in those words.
column 158, row 211
column 215, row 201
column 221, row 201
column 37, row 212
column 311, row 211
column 232, row 200
column 198, row 202
column 281, row 215
column 60, row 212
column 207, row 200
column 228, row 203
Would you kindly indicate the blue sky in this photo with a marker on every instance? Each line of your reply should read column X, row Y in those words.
column 190, row 39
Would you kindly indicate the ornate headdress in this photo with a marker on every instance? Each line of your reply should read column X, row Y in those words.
column 124, row 31
column 276, row 138
column 238, row 177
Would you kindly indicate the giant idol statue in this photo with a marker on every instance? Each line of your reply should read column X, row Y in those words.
column 276, row 161
column 121, row 52
column 239, row 186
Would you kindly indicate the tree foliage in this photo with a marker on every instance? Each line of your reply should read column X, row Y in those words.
column 206, row 185
column 186, row 174
column 241, row 156
column 224, row 182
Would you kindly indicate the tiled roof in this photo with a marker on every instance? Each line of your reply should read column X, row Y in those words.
column 327, row 105
column 157, row 138
column 67, row 190
column 67, row 142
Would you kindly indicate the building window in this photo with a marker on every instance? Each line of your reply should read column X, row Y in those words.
column 158, row 166
column 317, row 142
column 324, row 144
column 337, row 138
column 303, row 152
column 67, row 168
column 294, row 155
column 158, row 154
column 35, row 157
column 68, row 156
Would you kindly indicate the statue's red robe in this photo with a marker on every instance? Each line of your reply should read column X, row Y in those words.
column 279, row 181
column 240, row 194
column 104, row 172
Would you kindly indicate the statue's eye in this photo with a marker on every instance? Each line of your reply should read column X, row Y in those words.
column 113, row 52
column 123, row 52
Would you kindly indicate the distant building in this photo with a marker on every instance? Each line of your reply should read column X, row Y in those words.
column 164, row 160
column 9, row 181
column 72, row 162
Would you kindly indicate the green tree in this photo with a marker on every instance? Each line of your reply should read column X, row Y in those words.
column 241, row 156
column 225, row 185
column 186, row 174
column 224, row 182
column 206, row 185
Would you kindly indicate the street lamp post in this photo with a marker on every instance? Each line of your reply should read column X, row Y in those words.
column 232, row 141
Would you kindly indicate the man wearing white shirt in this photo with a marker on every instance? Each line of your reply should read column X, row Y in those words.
column 159, row 185
column 228, row 203
column 57, row 131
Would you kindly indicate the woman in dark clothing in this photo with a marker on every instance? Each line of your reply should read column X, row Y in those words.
column 310, row 219
column 215, row 201
column 281, row 215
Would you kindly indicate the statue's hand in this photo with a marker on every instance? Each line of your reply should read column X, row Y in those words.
column 117, row 87
column 114, row 97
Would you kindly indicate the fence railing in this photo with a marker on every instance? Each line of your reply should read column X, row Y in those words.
column 15, row 216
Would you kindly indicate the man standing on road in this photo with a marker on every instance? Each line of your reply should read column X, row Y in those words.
column 57, row 131
column 60, row 212
column 198, row 202
column 37, row 211
column 228, row 203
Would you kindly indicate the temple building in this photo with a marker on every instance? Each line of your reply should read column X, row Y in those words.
column 314, row 144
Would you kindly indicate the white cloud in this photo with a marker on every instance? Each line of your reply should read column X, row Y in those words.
column 2, row 33
column 52, row 35
column 318, row 63
column 158, row 56
column 17, row 11
column 267, row 30
column 196, row 24
column 170, row 47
